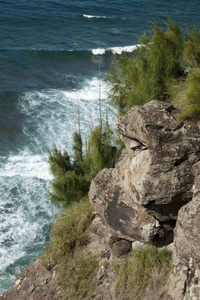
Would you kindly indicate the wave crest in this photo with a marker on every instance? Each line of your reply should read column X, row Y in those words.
column 116, row 50
column 91, row 17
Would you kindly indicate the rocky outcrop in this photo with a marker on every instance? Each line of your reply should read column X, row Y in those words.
column 140, row 198
column 187, row 231
column 184, row 283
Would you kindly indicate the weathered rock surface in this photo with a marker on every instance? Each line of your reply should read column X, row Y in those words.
column 34, row 283
column 140, row 198
column 184, row 283
column 187, row 231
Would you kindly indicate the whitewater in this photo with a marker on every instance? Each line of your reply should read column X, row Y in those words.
column 26, row 212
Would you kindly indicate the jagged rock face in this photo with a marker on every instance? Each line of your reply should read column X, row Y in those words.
column 187, row 231
column 125, row 218
column 184, row 282
column 158, row 169
column 140, row 198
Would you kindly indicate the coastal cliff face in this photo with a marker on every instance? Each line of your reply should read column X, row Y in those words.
column 152, row 194
column 140, row 198
column 184, row 282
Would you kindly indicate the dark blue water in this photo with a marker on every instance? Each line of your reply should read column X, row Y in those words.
column 53, row 57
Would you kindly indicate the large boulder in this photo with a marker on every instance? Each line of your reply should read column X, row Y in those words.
column 140, row 198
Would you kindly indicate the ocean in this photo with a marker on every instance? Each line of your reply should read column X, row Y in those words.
column 53, row 58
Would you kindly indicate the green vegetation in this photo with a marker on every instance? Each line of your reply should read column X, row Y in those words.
column 76, row 269
column 190, row 97
column 164, row 58
column 73, row 175
column 68, row 232
column 80, row 277
column 146, row 268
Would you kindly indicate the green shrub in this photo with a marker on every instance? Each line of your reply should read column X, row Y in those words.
column 186, row 96
column 59, row 162
column 103, row 153
column 74, row 174
column 191, row 53
column 69, row 187
column 144, row 267
column 147, row 73
column 165, row 55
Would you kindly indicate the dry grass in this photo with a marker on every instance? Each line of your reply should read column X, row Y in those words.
column 146, row 269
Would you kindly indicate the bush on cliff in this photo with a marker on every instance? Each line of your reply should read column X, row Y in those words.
column 163, row 57
column 73, row 174
column 190, row 97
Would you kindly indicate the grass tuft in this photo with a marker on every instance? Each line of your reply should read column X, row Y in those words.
column 68, row 231
column 145, row 267
column 76, row 270
column 79, row 277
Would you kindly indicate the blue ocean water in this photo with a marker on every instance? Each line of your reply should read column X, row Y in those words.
column 53, row 57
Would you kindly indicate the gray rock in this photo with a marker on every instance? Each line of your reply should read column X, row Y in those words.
column 184, row 283
column 187, row 231
column 119, row 247
column 100, row 273
column 105, row 254
column 137, row 244
column 31, row 289
column 140, row 198
column 158, row 174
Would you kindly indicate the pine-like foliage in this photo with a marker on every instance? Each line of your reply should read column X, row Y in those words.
column 70, row 182
column 191, row 96
column 77, row 146
column 73, row 175
column 59, row 162
column 102, row 152
column 162, row 58
column 191, row 54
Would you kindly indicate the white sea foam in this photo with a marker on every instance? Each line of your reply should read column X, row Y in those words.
column 26, row 165
column 25, row 179
column 117, row 50
column 91, row 17
column 99, row 51
column 25, row 216
column 57, row 112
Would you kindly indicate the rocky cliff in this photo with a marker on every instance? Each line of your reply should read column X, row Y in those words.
column 151, row 195
column 140, row 198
